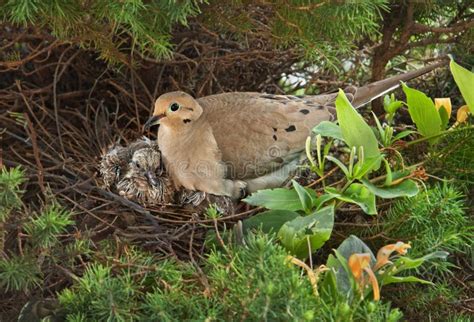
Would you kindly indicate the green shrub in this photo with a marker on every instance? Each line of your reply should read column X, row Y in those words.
column 433, row 220
column 10, row 192
column 254, row 282
column 19, row 273
column 453, row 158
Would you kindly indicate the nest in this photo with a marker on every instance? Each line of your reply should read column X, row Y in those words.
column 61, row 110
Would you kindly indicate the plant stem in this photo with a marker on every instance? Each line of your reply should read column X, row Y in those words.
column 426, row 138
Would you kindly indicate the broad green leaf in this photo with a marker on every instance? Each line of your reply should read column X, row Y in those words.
column 328, row 129
column 403, row 279
column 422, row 111
column 406, row 188
column 321, row 200
column 338, row 263
column 280, row 198
column 305, row 196
column 355, row 131
column 399, row 174
column 465, row 81
column 352, row 245
column 314, row 229
column 443, row 115
column 268, row 221
column 358, row 194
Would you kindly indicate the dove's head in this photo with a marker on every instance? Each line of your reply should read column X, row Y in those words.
column 145, row 165
column 174, row 110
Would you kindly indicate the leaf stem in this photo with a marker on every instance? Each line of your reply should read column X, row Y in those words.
column 426, row 138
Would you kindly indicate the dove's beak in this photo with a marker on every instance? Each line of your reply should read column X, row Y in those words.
column 151, row 177
column 154, row 120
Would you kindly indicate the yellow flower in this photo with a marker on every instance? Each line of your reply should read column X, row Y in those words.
column 358, row 264
column 462, row 114
column 385, row 252
column 446, row 102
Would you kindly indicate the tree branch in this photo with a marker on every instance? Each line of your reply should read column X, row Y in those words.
column 460, row 26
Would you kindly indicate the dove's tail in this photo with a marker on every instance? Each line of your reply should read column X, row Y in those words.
column 368, row 93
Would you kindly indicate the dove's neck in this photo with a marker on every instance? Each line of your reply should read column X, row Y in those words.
column 190, row 142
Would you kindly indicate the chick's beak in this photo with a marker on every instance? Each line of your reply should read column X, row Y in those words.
column 151, row 177
column 154, row 120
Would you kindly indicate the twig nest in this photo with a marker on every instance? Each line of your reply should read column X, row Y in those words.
column 202, row 201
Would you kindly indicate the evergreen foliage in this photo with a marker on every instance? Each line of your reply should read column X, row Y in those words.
column 45, row 228
column 433, row 220
column 10, row 191
column 453, row 159
column 106, row 25
column 253, row 283
column 115, row 26
column 436, row 219
column 19, row 273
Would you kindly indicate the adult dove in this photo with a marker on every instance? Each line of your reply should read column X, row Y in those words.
column 227, row 143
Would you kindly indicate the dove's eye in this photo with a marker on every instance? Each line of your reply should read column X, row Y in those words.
column 174, row 107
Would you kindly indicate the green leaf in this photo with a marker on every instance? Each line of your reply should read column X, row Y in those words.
column 355, row 131
column 465, row 81
column 321, row 200
column 404, row 263
column 367, row 166
column 305, row 196
column 379, row 127
column 403, row 279
column 444, row 116
column 268, row 221
column 328, row 129
column 352, row 245
column 338, row 264
column 315, row 229
column 406, row 188
column 392, row 107
column 402, row 134
column 358, row 194
column 422, row 111
column 339, row 164
column 280, row 198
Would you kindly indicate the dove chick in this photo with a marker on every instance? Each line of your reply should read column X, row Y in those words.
column 144, row 180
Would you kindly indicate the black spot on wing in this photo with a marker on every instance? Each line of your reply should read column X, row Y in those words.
column 275, row 137
column 304, row 111
column 291, row 128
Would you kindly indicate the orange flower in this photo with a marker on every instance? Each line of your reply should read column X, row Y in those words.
column 446, row 102
column 462, row 114
column 385, row 252
column 358, row 264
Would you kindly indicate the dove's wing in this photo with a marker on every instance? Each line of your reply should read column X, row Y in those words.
column 259, row 133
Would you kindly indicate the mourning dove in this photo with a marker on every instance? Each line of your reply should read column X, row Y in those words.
column 224, row 143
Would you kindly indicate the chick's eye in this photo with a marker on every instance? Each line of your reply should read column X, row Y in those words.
column 174, row 107
column 137, row 165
